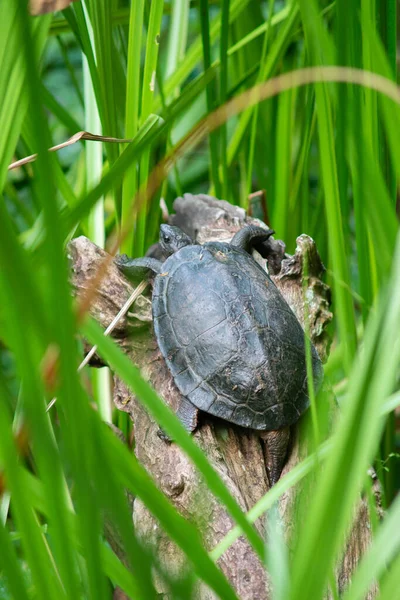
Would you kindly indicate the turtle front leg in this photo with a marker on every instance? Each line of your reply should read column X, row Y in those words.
column 188, row 416
column 276, row 444
column 137, row 268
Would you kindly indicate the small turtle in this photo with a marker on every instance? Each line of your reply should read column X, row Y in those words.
column 231, row 342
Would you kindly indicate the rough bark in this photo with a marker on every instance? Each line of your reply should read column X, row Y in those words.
column 235, row 453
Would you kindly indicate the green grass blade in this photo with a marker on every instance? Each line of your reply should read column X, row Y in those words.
column 277, row 560
column 70, row 68
column 11, row 567
column 44, row 573
column 345, row 311
column 148, row 91
column 381, row 219
column 194, row 53
column 357, row 437
column 135, row 581
column 13, row 97
column 147, row 134
column 150, row 66
column 107, row 62
column 96, row 223
column 223, row 94
column 132, row 111
column 390, row 585
column 388, row 26
column 211, row 95
column 181, row 531
column 168, row 421
column 347, row 39
column 383, row 550
column 118, row 518
column 261, row 29
column 119, row 574
column 283, row 164
column 177, row 40
column 272, row 496
column 337, row 248
column 60, row 112
column 62, row 184
column 177, row 36
column 328, row 157
column 275, row 53
column 295, row 476
column 76, row 18
column 253, row 133
column 63, row 338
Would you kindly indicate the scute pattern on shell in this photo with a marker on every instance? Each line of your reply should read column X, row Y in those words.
column 232, row 343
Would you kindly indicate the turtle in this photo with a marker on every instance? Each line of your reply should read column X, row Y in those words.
column 234, row 347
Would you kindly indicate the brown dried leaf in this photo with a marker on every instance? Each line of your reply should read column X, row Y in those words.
column 40, row 7
column 77, row 137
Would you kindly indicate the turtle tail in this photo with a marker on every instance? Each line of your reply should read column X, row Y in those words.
column 275, row 446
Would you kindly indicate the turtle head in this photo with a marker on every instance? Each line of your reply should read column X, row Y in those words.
column 173, row 239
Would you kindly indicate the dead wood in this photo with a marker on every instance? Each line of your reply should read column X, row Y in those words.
column 235, row 453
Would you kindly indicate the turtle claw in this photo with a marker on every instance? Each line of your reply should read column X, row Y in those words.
column 121, row 259
column 164, row 436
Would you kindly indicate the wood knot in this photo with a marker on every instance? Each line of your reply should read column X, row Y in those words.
column 174, row 487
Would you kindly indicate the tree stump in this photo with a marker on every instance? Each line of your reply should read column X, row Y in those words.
column 235, row 453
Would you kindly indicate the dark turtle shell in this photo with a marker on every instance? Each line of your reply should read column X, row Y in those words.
column 232, row 343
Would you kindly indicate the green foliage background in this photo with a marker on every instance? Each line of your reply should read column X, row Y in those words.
column 328, row 156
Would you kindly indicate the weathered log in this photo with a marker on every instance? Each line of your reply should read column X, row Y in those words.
column 235, row 453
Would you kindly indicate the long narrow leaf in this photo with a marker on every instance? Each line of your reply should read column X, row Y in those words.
column 118, row 361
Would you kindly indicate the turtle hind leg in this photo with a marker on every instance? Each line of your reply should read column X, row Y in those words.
column 275, row 446
column 250, row 236
column 188, row 414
